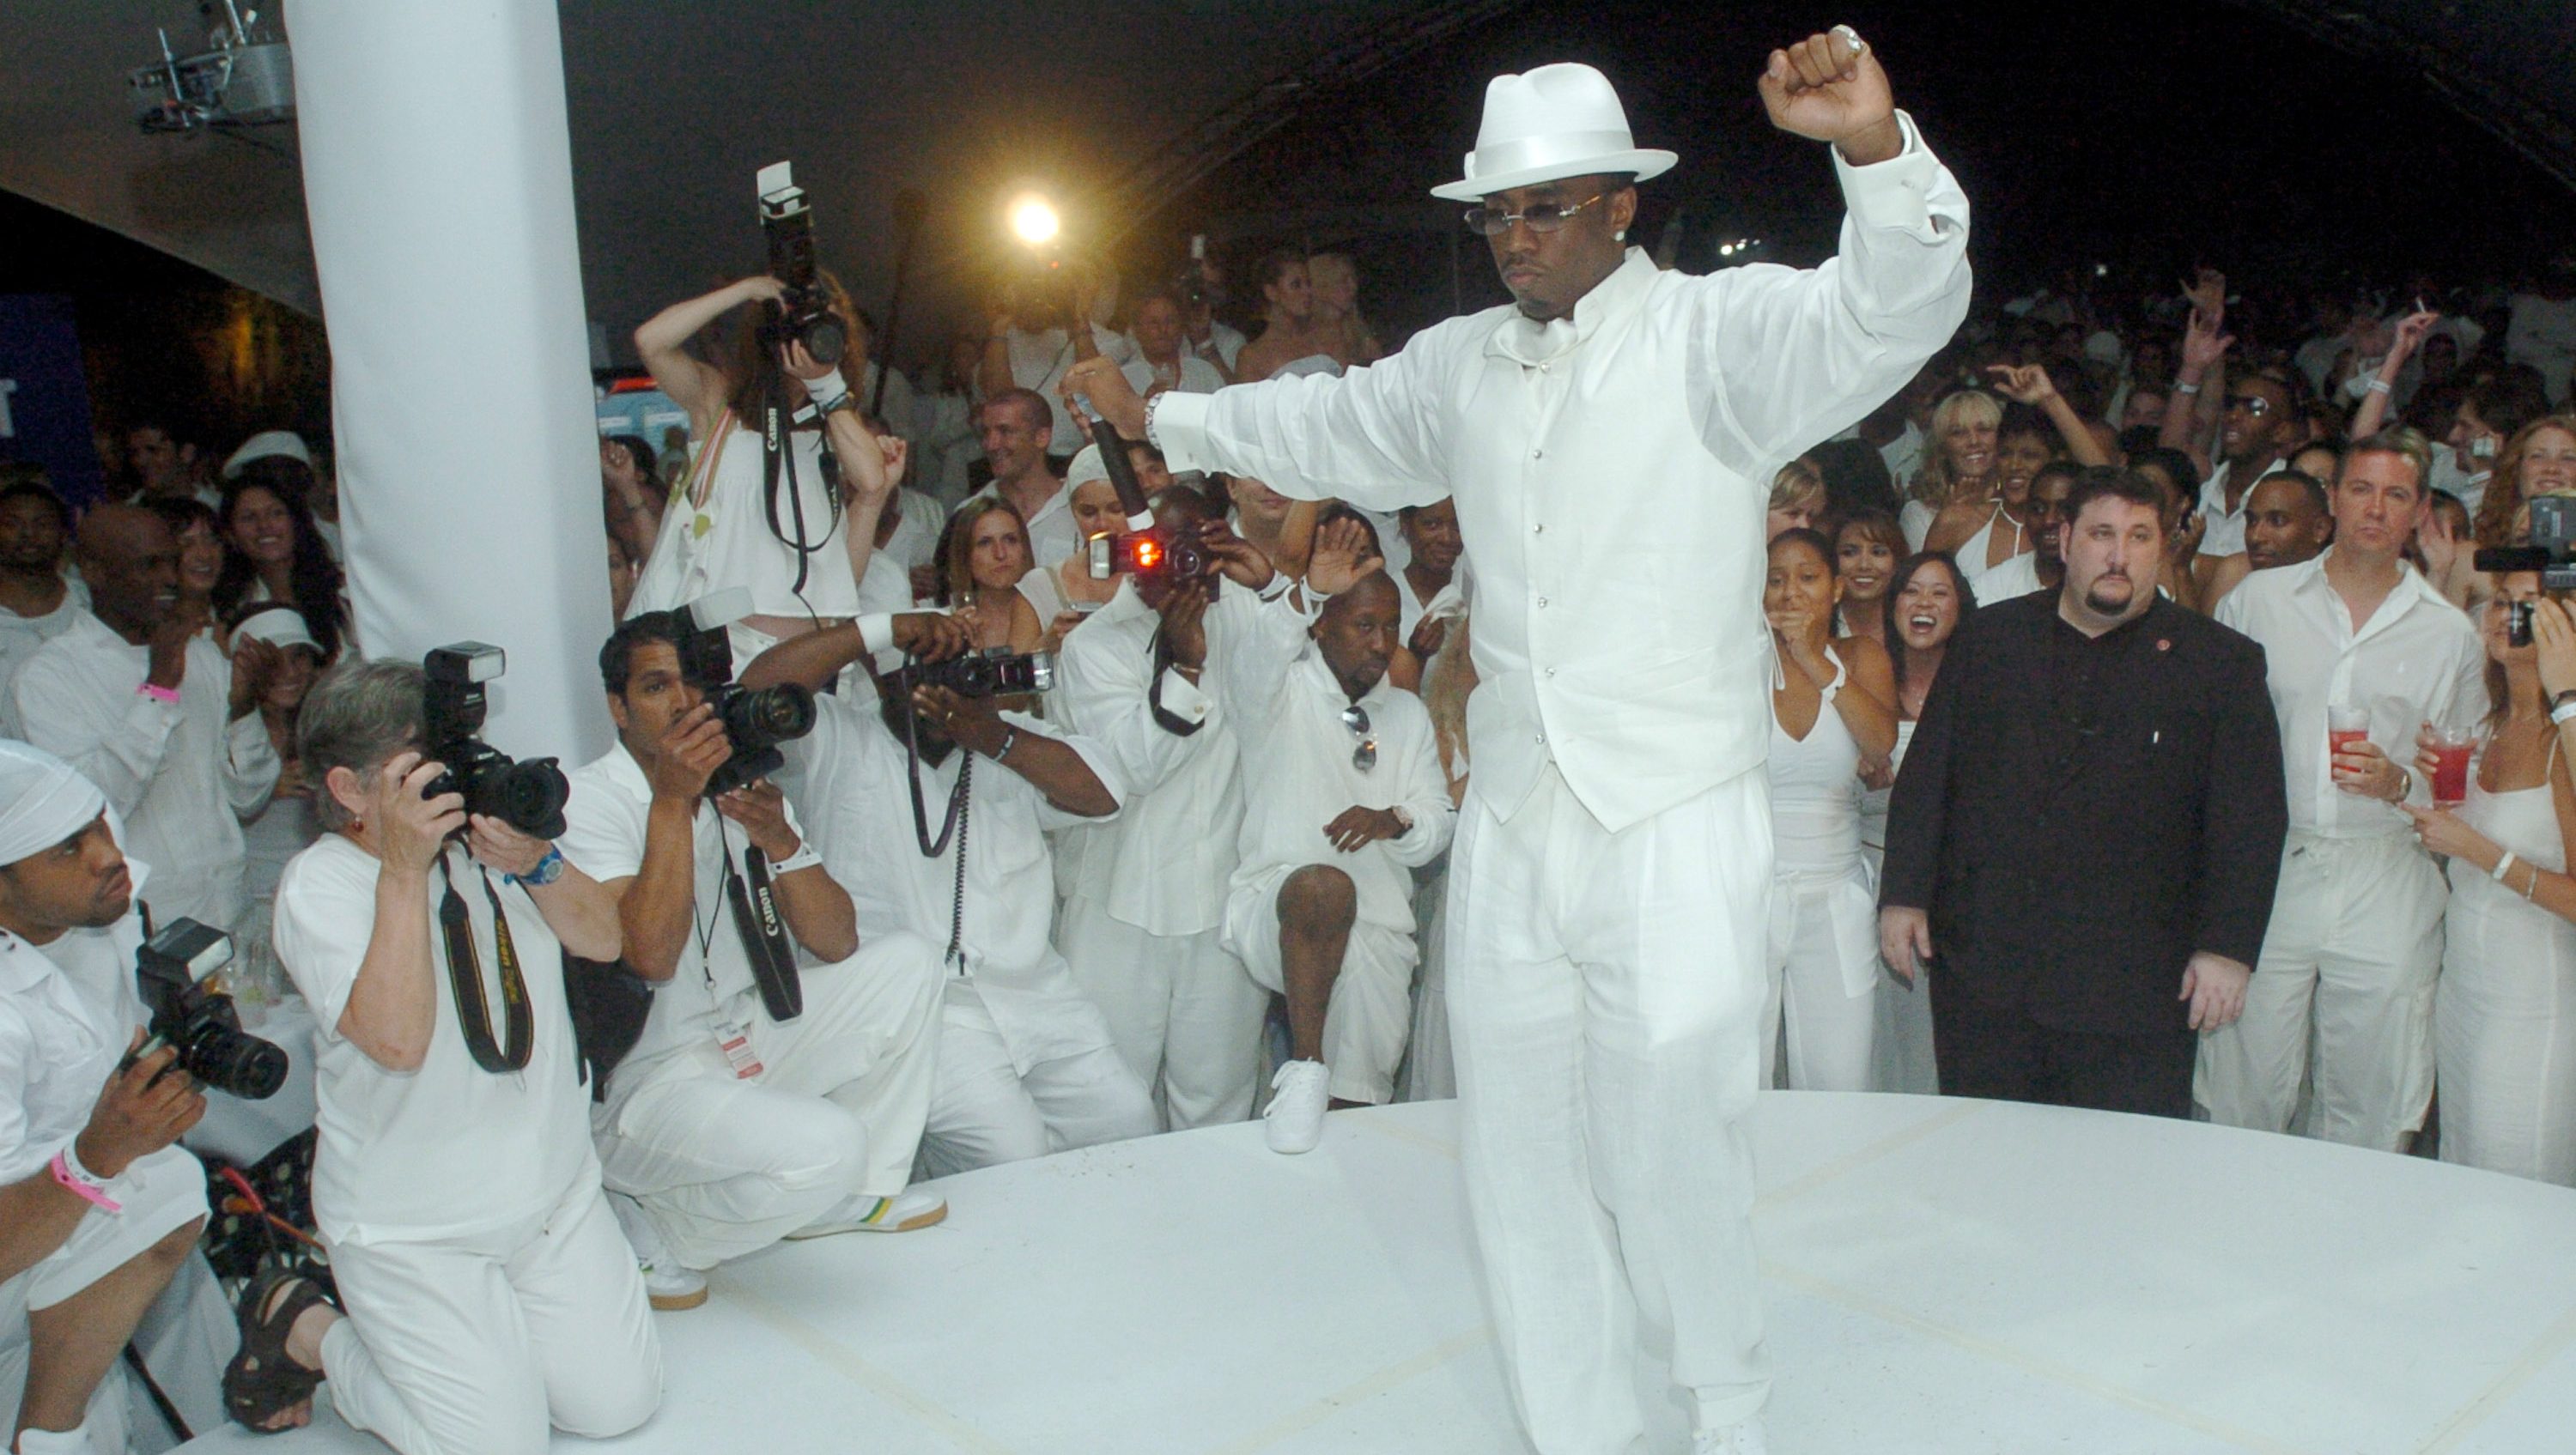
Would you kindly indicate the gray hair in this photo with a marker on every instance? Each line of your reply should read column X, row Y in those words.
column 356, row 716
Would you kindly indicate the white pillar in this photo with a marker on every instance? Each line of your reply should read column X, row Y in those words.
column 438, row 182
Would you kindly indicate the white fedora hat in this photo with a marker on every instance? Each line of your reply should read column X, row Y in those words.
column 1553, row 122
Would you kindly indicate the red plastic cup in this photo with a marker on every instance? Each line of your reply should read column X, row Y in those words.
column 2451, row 774
column 2345, row 727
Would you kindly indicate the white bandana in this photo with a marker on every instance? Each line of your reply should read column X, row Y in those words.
column 43, row 801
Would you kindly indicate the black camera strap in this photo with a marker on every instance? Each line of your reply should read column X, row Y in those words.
column 465, row 978
column 753, row 899
column 777, row 444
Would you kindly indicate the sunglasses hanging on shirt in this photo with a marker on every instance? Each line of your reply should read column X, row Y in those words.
column 1356, row 718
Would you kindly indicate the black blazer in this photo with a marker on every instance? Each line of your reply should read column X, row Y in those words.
column 2073, row 863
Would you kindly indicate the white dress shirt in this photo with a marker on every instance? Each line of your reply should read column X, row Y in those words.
column 849, row 773
column 1039, row 362
column 1164, row 866
column 915, row 542
column 184, row 775
column 20, row 636
column 447, row 1150
column 1610, row 465
column 67, row 1010
column 1299, row 774
column 1194, row 375
column 2416, row 660
column 2226, row 533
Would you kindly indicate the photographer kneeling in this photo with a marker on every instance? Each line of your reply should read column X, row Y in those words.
column 489, row 1292
column 97, row 1208
column 728, row 1127
column 1026, row 1064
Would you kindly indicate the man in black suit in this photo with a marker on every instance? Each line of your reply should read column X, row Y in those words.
column 2090, row 813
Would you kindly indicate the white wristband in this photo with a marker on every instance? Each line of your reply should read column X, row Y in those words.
column 803, row 858
column 2182, row 388
column 2497, row 873
column 2564, row 712
column 2380, row 386
column 827, row 390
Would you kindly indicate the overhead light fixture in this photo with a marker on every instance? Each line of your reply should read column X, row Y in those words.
column 1034, row 221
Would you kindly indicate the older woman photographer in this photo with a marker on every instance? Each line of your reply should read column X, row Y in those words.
column 490, row 1295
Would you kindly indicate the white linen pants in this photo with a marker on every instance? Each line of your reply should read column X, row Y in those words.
column 1605, row 1000
column 724, row 1167
column 1186, row 1017
column 1823, row 934
column 157, row 1194
column 476, row 1345
column 1430, row 1072
column 2351, row 958
column 1901, row 1053
column 1371, row 1009
column 984, row 1110
column 2504, row 1036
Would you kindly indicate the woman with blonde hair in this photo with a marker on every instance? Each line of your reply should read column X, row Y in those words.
column 1429, row 1074
column 1958, row 463
column 1797, row 498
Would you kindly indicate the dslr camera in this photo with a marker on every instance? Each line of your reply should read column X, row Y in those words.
column 993, row 672
column 1146, row 551
column 175, row 972
column 756, row 719
column 804, row 315
column 528, row 796
column 2551, row 551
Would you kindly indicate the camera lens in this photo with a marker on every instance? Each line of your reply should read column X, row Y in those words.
column 762, row 717
column 231, row 1061
column 824, row 339
column 527, row 796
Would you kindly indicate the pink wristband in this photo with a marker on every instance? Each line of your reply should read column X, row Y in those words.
column 160, row 694
column 82, row 1182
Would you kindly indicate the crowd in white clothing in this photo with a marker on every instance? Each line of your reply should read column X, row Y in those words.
column 1201, row 878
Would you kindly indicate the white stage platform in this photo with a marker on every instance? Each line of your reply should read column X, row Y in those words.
column 1942, row 1276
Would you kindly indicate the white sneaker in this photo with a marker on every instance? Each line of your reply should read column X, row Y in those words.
column 1744, row 1438
column 901, row 1213
column 1296, row 1111
column 668, row 1285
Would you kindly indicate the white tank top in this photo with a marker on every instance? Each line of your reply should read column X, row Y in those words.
column 1815, row 789
column 2524, row 820
column 1971, row 554
column 724, row 539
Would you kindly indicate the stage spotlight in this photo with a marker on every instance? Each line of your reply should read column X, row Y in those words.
column 1726, row 250
column 1034, row 220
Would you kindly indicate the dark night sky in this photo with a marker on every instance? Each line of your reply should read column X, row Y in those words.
column 2152, row 137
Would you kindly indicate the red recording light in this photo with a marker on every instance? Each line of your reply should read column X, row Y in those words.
column 1149, row 554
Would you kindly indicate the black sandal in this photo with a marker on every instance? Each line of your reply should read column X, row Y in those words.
column 262, row 1382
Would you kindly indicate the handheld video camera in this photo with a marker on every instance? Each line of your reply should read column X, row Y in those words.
column 756, row 719
column 804, row 315
column 2551, row 551
column 528, row 796
column 175, row 972
column 993, row 672
column 1144, row 550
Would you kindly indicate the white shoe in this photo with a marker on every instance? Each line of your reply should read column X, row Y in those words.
column 668, row 1284
column 901, row 1213
column 1744, row 1438
column 1296, row 1111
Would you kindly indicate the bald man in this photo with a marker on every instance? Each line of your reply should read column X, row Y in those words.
column 1343, row 798
column 149, row 710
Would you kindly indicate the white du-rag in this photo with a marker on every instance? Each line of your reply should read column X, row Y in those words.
column 43, row 801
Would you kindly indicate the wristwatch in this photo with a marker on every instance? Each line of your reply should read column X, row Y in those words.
column 548, row 870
